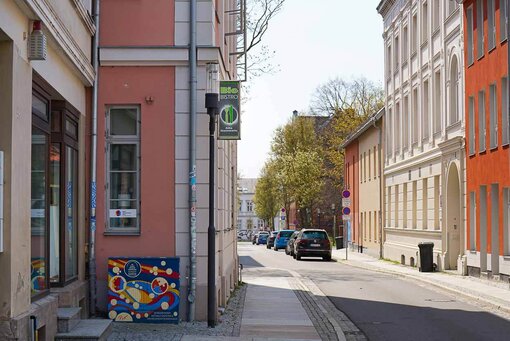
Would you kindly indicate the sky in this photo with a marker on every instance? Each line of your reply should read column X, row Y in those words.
column 315, row 41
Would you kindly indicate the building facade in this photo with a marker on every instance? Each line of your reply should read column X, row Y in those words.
column 367, row 198
column 145, row 92
column 424, row 163
column 351, row 228
column 487, row 135
column 46, row 76
column 247, row 220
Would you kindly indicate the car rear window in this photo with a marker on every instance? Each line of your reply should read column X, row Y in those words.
column 286, row 233
column 314, row 235
column 261, row 233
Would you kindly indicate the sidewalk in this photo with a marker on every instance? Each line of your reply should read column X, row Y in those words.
column 492, row 294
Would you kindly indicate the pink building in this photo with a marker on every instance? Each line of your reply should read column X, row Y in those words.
column 143, row 169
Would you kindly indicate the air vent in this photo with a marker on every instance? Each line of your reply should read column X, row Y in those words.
column 37, row 43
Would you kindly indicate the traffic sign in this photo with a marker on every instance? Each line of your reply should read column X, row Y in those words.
column 346, row 202
column 346, row 194
column 346, row 217
column 346, row 211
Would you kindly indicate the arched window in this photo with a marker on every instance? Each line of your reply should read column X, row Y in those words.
column 454, row 91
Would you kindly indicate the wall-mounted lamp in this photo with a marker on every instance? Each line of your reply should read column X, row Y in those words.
column 149, row 99
column 37, row 42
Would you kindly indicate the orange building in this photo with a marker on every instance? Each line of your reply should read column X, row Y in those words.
column 487, row 138
column 351, row 181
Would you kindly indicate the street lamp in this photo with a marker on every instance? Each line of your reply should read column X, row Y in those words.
column 211, row 103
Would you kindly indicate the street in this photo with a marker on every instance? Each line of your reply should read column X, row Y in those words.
column 383, row 306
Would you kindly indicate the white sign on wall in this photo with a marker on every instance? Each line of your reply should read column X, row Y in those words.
column 123, row 213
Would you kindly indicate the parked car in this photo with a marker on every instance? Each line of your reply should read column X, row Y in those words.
column 282, row 238
column 262, row 237
column 254, row 238
column 312, row 243
column 289, row 249
column 271, row 239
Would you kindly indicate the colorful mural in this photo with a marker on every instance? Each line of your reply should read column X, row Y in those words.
column 143, row 290
column 38, row 275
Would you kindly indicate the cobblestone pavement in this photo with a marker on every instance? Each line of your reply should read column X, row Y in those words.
column 228, row 326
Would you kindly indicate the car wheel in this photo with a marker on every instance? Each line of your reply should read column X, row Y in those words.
column 258, row 243
column 298, row 256
column 293, row 255
column 327, row 258
column 286, row 251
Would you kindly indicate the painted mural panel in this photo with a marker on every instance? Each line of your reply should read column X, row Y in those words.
column 143, row 290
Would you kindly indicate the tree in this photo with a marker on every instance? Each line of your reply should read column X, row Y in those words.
column 266, row 197
column 259, row 14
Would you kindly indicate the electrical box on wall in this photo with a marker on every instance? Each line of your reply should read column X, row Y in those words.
column 1, row 201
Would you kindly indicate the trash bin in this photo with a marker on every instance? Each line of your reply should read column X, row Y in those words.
column 426, row 257
column 339, row 242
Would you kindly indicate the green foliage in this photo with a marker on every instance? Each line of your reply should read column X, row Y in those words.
column 266, row 195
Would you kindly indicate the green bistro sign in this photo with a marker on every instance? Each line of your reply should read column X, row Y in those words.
column 230, row 120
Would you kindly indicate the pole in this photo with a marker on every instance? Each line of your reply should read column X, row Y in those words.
column 93, row 167
column 192, row 160
column 211, row 103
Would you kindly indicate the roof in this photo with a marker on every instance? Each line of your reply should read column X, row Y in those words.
column 246, row 185
column 363, row 127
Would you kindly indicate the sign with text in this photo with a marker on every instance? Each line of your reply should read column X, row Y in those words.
column 229, row 106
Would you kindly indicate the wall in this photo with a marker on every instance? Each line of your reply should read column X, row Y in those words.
column 351, row 178
column 130, row 85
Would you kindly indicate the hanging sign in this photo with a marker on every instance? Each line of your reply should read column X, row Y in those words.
column 230, row 120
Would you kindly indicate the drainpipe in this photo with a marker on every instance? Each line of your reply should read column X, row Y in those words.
column 381, row 188
column 192, row 159
column 93, row 167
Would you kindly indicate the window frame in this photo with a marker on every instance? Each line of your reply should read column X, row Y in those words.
column 482, row 128
column 470, row 36
column 505, row 112
column 480, row 34
column 491, row 25
column 111, row 140
column 472, row 125
column 493, row 116
column 503, row 20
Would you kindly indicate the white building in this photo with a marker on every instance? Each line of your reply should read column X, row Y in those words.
column 247, row 221
column 424, row 164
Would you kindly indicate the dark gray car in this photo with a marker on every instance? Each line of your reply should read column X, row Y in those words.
column 312, row 243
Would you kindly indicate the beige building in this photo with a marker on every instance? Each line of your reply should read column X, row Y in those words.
column 44, row 91
column 368, row 235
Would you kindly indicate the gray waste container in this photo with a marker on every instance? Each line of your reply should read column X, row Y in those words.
column 339, row 242
column 426, row 257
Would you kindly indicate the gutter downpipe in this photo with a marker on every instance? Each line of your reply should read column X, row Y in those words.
column 381, row 189
column 192, row 159
column 93, row 167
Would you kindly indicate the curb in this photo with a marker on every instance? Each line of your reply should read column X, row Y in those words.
column 487, row 301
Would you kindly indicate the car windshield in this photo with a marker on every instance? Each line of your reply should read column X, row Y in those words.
column 314, row 235
column 286, row 234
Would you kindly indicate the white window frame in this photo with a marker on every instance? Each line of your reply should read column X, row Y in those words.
column 481, row 122
column 470, row 36
column 503, row 20
column 505, row 112
column 493, row 115
column 491, row 24
column 249, row 206
column 480, row 41
column 126, row 139
column 472, row 125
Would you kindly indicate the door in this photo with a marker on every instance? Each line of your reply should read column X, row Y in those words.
column 453, row 216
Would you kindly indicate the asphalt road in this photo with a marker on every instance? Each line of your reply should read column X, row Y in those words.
column 387, row 307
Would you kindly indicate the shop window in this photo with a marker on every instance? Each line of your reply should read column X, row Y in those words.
column 123, row 169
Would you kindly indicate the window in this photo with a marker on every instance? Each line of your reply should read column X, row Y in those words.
column 503, row 19
column 479, row 28
column 240, row 205
column 472, row 221
column 436, row 15
column 249, row 224
column 239, row 224
column 369, row 164
column 397, row 129
column 405, row 124
column 390, row 133
column 249, row 206
column 471, row 125
column 375, row 162
column 123, row 169
column 493, row 116
column 437, row 102
column 396, row 207
column 506, row 221
column 491, row 23
column 424, row 22
column 388, row 61
column 260, row 223
column 396, row 54
column 404, row 206
column 505, row 112
column 424, row 201
column 405, row 44
column 452, row 6
column 414, row 116
column 470, row 36
column 454, row 91
column 481, row 121
column 426, row 109
column 414, row 32
column 414, row 204
column 364, row 166
column 436, row 203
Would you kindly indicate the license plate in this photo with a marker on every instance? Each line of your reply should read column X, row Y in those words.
column 315, row 245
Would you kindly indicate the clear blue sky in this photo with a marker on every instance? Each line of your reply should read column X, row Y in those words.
column 314, row 41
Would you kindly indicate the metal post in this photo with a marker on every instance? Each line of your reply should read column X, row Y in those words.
column 211, row 103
